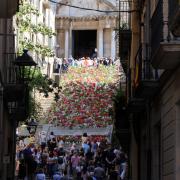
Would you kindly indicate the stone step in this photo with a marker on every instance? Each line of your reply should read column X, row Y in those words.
column 45, row 102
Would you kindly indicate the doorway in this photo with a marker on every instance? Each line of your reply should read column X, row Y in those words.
column 83, row 43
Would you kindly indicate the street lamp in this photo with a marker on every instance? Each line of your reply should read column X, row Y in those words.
column 25, row 67
column 32, row 126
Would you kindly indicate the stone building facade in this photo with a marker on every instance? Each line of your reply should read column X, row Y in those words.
column 154, row 92
column 47, row 12
column 7, row 124
column 14, row 94
column 81, row 32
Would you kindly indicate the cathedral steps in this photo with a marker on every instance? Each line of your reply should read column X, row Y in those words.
column 45, row 102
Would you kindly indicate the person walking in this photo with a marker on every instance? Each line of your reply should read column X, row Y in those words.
column 40, row 175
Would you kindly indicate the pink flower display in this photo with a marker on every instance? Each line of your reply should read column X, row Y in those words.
column 86, row 97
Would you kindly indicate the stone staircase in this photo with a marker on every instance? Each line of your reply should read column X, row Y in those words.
column 45, row 102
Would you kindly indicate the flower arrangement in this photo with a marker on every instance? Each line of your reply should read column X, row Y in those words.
column 86, row 98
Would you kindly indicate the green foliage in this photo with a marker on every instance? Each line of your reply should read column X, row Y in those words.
column 26, row 8
column 40, row 82
column 25, row 24
column 43, row 29
column 118, row 111
column 45, row 85
column 35, row 109
column 38, row 48
column 119, row 98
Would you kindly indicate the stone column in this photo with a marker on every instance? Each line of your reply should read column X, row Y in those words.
column 66, row 43
column 113, row 44
column 70, row 42
column 70, row 38
column 100, row 42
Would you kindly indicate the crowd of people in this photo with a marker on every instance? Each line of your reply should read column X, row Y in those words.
column 52, row 160
column 62, row 64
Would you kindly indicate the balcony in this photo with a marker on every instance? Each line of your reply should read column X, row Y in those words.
column 146, row 77
column 174, row 17
column 16, row 100
column 124, row 32
column 18, row 110
column 134, row 105
column 124, row 47
column 8, row 8
column 165, row 52
column 13, row 91
column 15, row 94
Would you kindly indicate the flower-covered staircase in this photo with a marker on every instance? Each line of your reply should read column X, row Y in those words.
column 86, row 98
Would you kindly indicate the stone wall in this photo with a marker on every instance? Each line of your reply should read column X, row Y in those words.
column 168, row 132
column 166, row 115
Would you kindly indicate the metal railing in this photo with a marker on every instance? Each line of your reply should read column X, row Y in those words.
column 124, row 32
column 124, row 14
column 143, row 68
column 157, row 27
column 7, row 56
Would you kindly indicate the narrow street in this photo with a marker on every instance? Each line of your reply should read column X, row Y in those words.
column 76, row 140
column 89, row 90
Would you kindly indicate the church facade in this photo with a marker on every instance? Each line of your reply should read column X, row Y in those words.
column 81, row 33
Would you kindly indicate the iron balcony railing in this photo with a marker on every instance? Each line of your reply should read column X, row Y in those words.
column 16, row 94
column 143, row 70
column 157, row 27
column 123, row 20
column 123, row 31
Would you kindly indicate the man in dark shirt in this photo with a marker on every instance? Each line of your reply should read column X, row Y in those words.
column 110, row 159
